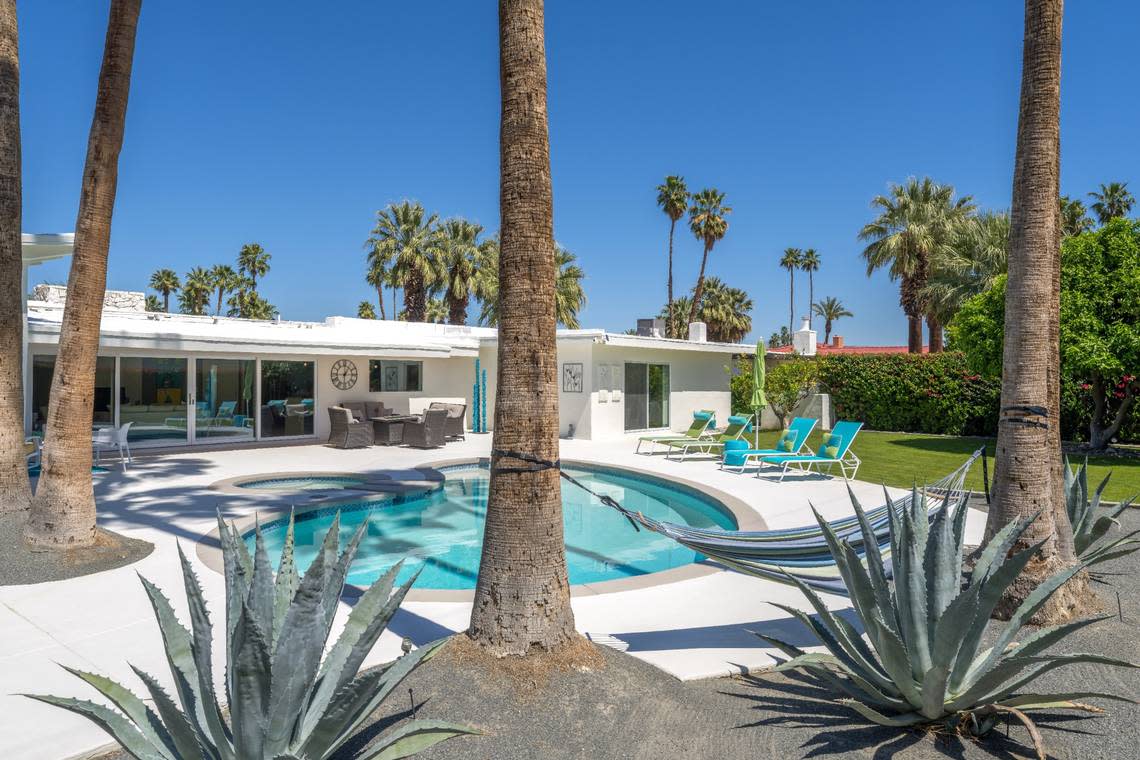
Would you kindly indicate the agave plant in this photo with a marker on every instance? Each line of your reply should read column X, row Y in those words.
column 285, row 701
column 1091, row 524
column 923, row 661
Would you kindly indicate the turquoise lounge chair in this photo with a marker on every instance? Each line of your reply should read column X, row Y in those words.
column 702, row 419
column 792, row 441
column 836, row 450
column 737, row 426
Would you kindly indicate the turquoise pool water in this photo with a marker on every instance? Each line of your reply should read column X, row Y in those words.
column 442, row 532
column 301, row 483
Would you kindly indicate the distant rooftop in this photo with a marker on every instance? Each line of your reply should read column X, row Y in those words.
column 837, row 346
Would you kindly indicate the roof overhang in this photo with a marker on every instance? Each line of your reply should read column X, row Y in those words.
column 39, row 247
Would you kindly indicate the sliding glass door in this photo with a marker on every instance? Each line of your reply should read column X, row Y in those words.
column 223, row 400
column 646, row 396
column 287, row 398
column 154, row 393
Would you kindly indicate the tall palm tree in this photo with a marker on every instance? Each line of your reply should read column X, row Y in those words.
column 197, row 287
column 379, row 274
column 522, row 597
column 810, row 264
column 253, row 262
column 673, row 198
column 458, row 259
column 63, row 508
column 1112, row 201
column 165, row 282
column 436, row 311
column 791, row 261
column 15, row 492
column 978, row 254
column 1028, row 470
column 365, row 311
column 916, row 223
column 569, row 295
column 726, row 311
column 406, row 236
column 224, row 279
column 1074, row 217
column 708, row 223
column 831, row 310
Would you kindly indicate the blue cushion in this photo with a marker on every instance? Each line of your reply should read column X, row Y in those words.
column 734, row 452
column 737, row 419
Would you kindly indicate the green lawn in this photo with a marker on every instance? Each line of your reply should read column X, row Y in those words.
column 900, row 459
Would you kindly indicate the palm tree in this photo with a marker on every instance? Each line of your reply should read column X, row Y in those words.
column 379, row 274
column 247, row 303
column 1028, row 470
column 15, row 491
column 916, row 222
column 1074, row 217
column 810, row 264
column 197, row 288
column 791, row 261
column 253, row 262
column 726, row 311
column 365, row 310
column 436, row 311
column 165, row 282
column 1112, row 201
column 152, row 303
column 224, row 279
column 978, row 254
column 830, row 309
column 673, row 198
column 458, row 259
column 522, row 597
column 569, row 296
column 63, row 508
column 707, row 222
column 406, row 237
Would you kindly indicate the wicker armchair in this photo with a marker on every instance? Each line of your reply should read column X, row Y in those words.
column 455, row 418
column 429, row 432
column 347, row 433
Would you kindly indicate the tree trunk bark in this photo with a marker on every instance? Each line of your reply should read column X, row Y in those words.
column 669, row 303
column 791, row 301
column 914, row 334
column 63, row 509
column 415, row 299
column 166, row 302
column 934, row 328
column 811, row 301
column 15, row 490
column 522, row 599
column 699, row 291
column 457, row 311
column 380, row 300
column 1028, row 464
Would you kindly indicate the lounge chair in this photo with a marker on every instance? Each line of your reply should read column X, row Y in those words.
column 737, row 426
column 792, row 441
column 836, row 450
column 702, row 419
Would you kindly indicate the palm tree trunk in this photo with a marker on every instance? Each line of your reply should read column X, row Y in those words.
column 218, row 310
column 811, row 300
column 380, row 300
column 522, row 599
column 63, row 509
column 15, row 491
column 1028, row 461
column 699, row 292
column 415, row 298
column 669, row 303
column 934, row 329
column 791, row 301
column 457, row 310
column 827, row 332
column 166, row 301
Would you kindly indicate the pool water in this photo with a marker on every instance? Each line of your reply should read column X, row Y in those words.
column 441, row 533
column 302, row 483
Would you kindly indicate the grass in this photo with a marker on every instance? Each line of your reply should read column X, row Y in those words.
column 900, row 459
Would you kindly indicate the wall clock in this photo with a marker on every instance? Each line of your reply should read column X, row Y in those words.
column 343, row 374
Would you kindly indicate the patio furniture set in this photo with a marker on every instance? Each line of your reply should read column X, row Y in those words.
column 357, row 424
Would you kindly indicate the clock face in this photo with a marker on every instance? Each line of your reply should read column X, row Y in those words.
column 343, row 374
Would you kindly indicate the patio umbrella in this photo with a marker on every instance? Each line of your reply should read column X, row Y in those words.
column 759, row 401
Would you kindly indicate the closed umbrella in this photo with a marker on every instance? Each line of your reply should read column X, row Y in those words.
column 759, row 400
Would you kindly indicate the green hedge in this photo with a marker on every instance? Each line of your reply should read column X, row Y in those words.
column 915, row 393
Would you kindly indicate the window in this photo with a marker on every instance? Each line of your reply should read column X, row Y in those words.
column 388, row 375
column 646, row 396
column 43, row 366
column 286, row 398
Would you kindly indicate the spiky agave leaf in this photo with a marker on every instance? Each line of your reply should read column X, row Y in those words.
column 413, row 738
column 1091, row 524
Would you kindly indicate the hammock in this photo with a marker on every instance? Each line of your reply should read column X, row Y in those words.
column 800, row 552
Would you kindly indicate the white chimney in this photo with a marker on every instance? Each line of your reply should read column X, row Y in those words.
column 803, row 339
column 698, row 332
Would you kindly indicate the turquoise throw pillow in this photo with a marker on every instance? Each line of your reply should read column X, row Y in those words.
column 831, row 447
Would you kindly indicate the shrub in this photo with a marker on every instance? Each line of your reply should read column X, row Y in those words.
column 789, row 383
column 917, row 393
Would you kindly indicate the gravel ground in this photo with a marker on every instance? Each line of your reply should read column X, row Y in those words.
column 18, row 566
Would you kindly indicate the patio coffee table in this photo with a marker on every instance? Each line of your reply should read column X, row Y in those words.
column 389, row 429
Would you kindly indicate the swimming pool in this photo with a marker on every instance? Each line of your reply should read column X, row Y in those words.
column 301, row 483
column 441, row 532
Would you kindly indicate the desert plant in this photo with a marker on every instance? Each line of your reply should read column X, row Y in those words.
column 923, row 660
column 285, row 703
column 1091, row 524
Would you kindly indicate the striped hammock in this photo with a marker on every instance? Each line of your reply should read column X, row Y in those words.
column 803, row 552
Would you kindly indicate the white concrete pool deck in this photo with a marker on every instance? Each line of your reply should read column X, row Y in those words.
column 693, row 628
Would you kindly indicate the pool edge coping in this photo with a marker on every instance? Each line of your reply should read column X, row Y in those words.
column 208, row 546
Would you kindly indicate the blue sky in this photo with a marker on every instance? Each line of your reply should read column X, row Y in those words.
column 277, row 123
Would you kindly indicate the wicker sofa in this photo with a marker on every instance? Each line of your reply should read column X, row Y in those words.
column 346, row 432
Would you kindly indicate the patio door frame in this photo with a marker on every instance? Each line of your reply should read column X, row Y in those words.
column 192, row 398
column 648, row 400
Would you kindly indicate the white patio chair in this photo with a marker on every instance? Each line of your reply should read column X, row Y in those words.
column 113, row 439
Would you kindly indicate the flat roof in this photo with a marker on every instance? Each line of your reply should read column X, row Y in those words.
column 39, row 247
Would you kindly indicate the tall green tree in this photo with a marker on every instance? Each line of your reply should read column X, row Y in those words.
column 152, row 303
column 1074, row 217
column 197, row 287
column 708, row 222
column 406, row 236
column 223, row 279
column 246, row 302
column 915, row 223
column 15, row 491
column 791, row 261
column 379, row 274
column 63, row 508
column 458, row 261
column 569, row 296
column 164, row 282
column 522, row 596
column 810, row 264
column 727, row 311
column 1112, row 201
column 673, row 199
column 365, row 311
column 977, row 256
column 831, row 310
column 253, row 262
